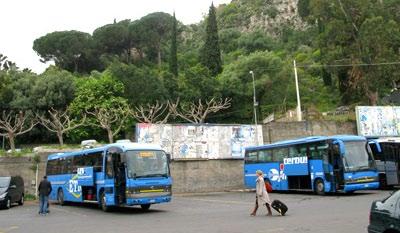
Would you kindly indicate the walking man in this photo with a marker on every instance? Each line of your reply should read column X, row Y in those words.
column 44, row 192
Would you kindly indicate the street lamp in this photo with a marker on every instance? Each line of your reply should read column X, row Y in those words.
column 254, row 104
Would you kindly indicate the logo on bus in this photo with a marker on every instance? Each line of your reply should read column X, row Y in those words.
column 73, row 187
column 295, row 160
column 275, row 175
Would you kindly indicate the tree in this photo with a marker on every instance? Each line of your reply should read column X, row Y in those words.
column 54, row 88
column 155, row 30
column 197, row 112
column 112, row 118
column 6, row 64
column 114, row 39
column 210, row 53
column 368, row 34
column 60, row 122
column 70, row 50
column 15, row 123
column 101, row 97
column 157, row 113
column 173, row 62
column 141, row 84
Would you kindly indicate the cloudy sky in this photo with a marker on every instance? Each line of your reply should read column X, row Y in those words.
column 25, row 20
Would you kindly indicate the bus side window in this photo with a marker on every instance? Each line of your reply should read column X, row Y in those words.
column 298, row 151
column 265, row 156
column 280, row 153
column 251, row 157
column 68, row 165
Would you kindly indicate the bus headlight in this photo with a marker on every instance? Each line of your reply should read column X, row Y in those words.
column 2, row 196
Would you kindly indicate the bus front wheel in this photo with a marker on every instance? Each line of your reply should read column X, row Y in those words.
column 319, row 187
column 60, row 197
column 145, row 206
column 103, row 203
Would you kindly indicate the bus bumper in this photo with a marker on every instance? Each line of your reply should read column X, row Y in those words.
column 147, row 200
column 361, row 186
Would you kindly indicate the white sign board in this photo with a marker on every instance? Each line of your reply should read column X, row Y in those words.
column 205, row 141
column 378, row 121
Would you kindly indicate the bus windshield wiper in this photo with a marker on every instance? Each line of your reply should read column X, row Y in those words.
column 152, row 175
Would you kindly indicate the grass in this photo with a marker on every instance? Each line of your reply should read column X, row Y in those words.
column 29, row 197
column 65, row 146
column 23, row 151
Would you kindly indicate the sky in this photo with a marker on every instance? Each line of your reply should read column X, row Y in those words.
column 23, row 21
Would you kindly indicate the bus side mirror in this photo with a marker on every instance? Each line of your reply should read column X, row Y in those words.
column 169, row 157
column 377, row 145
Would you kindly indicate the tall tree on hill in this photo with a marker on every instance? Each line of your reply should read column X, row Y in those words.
column 211, row 53
column 173, row 63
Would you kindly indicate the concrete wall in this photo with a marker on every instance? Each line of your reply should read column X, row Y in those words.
column 277, row 131
column 24, row 167
column 207, row 175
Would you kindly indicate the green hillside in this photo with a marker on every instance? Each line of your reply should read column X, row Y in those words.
column 347, row 53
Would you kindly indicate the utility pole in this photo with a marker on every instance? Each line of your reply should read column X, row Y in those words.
column 254, row 105
column 299, row 117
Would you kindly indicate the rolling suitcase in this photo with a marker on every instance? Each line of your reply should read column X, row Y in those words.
column 279, row 206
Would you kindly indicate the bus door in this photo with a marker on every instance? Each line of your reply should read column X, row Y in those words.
column 336, row 160
column 116, row 175
column 391, row 155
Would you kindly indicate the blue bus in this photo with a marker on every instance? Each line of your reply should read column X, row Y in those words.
column 320, row 164
column 386, row 152
column 120, row 174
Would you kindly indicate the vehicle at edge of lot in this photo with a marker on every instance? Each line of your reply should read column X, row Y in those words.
column 385, row 215
column 12, row 190
column 387, row 157
column 321, row 164
column 120, row 174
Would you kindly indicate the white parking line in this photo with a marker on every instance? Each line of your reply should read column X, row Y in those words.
column 8, row 229
column 218, row 201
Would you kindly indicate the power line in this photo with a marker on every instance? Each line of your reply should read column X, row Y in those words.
column 348, row 65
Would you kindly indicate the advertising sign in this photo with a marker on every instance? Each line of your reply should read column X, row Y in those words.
column 85, row 176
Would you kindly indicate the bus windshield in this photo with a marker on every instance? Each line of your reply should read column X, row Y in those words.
column 147, row 164
column 356, row 157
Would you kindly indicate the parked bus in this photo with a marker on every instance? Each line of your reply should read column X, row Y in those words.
column 387, row 158
column 320, row 164
column 121, row 174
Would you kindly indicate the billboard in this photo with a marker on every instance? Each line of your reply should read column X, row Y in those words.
column 378, row 121
column 203, row 141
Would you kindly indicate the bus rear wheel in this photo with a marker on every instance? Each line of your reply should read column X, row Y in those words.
column 60, row 197
column 145, row 206
column 319, row 187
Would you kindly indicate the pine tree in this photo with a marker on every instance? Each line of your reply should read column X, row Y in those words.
column 211, row 53
column 173, row 63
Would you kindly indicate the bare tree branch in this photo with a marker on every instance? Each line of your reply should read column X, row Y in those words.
column 197, row 112
column 14, row 123
column 152, row 113
column 60, row 122
column 111, row 119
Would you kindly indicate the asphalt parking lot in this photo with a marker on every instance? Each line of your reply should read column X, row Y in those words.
column 213, row 212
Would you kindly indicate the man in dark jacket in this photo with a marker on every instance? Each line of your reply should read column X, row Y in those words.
column 44, row 192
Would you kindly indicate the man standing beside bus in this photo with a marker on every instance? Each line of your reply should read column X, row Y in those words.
column 44, row 192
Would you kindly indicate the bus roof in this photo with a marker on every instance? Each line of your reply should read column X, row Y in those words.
column 125, row 146
column 308, row 140
column 388, row 139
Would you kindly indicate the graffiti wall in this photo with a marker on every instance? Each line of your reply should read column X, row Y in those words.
column 187, row 141
column 378, row 121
